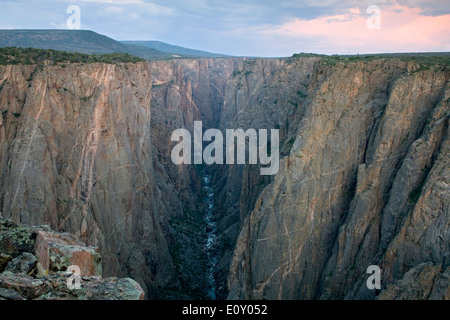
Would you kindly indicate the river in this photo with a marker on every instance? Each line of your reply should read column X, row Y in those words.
column 211, row 231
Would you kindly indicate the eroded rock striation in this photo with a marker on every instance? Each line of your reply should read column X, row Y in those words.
column 366, row 182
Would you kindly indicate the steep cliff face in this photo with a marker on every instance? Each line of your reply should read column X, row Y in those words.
column 260, row 94
column 184, row 91
column 85, row 148
column 76, row 155
column 365, row 182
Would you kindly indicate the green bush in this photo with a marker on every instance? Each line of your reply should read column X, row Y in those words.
column 13, row 55
column 416, row 193
column 306, row 55
column 301, row 94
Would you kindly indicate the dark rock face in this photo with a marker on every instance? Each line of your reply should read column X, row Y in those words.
column 184, row 91
column 365, row 183
column 80, row 130
column 10, row 294
column 424, row 281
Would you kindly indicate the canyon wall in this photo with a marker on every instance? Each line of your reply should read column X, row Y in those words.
column 85, row 148
column 184, row 91
column 77, row 155
column 365, row 182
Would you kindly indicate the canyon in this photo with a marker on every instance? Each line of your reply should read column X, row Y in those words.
column 363, row 179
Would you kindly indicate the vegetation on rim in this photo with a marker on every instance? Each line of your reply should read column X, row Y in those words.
column 13, row 55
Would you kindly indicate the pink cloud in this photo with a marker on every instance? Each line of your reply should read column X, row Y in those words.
column 402, row 29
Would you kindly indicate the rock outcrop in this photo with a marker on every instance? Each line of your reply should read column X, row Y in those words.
column 425, row 281
column 56, row 252
column 42, row 268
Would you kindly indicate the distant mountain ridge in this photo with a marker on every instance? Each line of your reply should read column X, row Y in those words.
column 90, row 42
column 83, row 41
column 173, row 49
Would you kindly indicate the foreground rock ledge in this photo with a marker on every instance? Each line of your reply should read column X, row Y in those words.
column 33, row 264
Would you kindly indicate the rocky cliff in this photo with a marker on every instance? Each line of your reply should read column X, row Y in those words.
column 363, row 179
column 76, row 155
column 184, row 91
column 85, row 149
column 365, row 182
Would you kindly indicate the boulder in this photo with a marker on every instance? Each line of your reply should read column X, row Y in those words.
column 54, row 287
column 25, row 263
column 58, row 251
column 43, row 275
column 25, row 285
column 112, row 289
column 10, row 294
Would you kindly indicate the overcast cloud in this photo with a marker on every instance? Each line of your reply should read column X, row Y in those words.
column 253, row 28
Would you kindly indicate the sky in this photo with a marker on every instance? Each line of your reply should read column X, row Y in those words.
column 276, row 28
